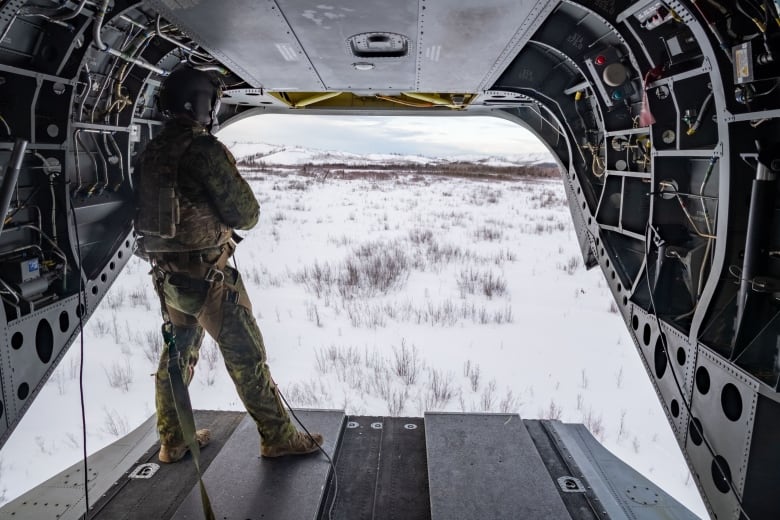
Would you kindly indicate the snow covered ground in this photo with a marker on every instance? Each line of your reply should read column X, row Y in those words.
column 468, row 296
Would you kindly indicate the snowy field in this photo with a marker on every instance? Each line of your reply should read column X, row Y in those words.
column 387, row 296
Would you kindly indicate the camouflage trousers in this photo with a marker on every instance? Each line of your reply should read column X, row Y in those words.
column 223, row 309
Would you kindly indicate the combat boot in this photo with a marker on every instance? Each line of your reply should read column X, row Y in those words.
column 169, row 454
column 299, row 444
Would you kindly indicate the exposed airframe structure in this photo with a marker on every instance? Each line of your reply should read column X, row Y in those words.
column 663, row 116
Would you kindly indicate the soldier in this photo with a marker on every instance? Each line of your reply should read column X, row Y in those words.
column 190, row 197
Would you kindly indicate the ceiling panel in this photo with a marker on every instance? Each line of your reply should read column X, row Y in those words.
column 461, row 41
column 251, row 37
column 324, row 30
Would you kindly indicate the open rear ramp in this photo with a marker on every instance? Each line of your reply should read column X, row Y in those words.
column 445, row 466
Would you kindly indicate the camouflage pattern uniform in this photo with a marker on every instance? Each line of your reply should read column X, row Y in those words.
column 213, row 199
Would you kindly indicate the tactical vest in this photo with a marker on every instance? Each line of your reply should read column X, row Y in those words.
column 168, row 219
column 158, row 202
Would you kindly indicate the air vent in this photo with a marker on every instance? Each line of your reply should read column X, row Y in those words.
column 379, row 45
column 501, row 97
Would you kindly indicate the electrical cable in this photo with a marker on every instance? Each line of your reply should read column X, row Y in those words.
column 722, row 43
column 702, row 110
column 80, row 310
column 5, row 124
column 330, row 460
column 688, row 408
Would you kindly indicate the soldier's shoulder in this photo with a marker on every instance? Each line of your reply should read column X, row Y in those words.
column 211, row 146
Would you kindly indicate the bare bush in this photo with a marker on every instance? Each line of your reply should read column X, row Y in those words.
column 101, row 327
column 377, row 267
column 116, row 297
column 488, row 233
column 509, row 403
column 317, row 278
column 622, row 426
column 407, row 365
column 420, row 236
column 397, row 402
column 114, row 424
column 487, row 282
column 483, row 195
column 152, row 346
column 438, row 254
column 594, row 423
column 119, row 375
column 440, row 390
column 472, row 372
column 313, row 313
column 58, row 379
column 367, row 315
column 553, row 412
column 571, row 265
column 211, row 355
column 547, row 199
column 139, row 297
column 373, row 268
column 487, row 399
column 335, row 358
column 310, row 393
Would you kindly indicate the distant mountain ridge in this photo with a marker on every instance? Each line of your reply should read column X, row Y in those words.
column 277, row 155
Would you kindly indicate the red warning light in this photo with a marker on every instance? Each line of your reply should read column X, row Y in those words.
column 600, row 60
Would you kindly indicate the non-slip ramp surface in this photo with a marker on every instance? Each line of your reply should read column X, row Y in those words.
column 244, row 486
column 486, row 466
column 382, row 473
column 159, row 495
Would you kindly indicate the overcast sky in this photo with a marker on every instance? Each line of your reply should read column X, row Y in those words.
column 433, row 136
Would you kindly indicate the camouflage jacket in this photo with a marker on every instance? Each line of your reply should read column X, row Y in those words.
column 211, row 196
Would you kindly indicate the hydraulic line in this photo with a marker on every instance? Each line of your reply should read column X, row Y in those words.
column 47, row 170
column 704, row 107
column 705, row 258
column 10, row 178
column 98, row 41
column 118, row 153
column 52, row 14
column 102, row 161
column 177, row 43
column 5, row 124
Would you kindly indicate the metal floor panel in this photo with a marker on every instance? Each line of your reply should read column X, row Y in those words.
column 486, row 466
column 158, row 496
column 244, row 486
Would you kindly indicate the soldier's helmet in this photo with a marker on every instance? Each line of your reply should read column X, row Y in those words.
column 192, row 93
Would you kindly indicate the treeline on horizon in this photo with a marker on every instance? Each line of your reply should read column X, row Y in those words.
column 456, row 169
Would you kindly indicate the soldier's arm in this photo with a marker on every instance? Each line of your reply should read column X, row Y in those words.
column 215, row 167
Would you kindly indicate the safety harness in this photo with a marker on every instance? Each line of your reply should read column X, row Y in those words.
column 181, row 397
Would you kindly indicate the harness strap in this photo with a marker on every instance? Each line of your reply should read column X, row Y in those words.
column 181, row 401
column 181, row 397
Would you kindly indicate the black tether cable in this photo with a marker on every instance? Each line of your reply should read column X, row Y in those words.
column 80, row 310
column 662, row 336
